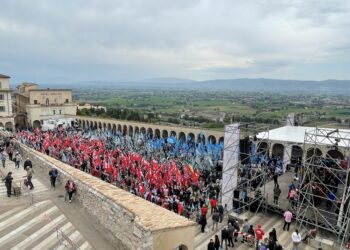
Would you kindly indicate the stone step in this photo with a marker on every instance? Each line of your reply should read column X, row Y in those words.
column 39, row 227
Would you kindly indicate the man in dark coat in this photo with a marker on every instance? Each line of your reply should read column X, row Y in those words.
column 224, row 237
column 27, row 163
column 8, row 183
column 230, row 231
column 211, row 245
column 221, row 212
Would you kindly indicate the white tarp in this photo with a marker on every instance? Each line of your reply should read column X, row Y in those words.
column 230, row 164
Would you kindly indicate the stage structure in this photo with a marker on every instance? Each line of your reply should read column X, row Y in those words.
column 230, row 163
column 324, row 193
column 241, row 152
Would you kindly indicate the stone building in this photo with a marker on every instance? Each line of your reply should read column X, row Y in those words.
column 34, row 105
column 6, row 115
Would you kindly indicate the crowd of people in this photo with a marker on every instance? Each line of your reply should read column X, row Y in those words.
column 166, row 172
column 180, row 175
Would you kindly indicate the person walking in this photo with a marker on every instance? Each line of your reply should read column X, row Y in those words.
column 53, row 176
column 18, row 159
column 215, row 217
column 230, row 231
column 287, row 219
column 224, row 237
column 276, row 194
column 8, row 183
column 217, row 242
column 211, row 245
column 213, row 204
column 3, row 158
column 9, row 150
column 221, row 212
column 259, row 233
column 296, row 238
column 27, row 163
column 70, row 188
column 29, row 177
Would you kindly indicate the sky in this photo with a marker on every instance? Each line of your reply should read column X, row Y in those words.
column 120, row 40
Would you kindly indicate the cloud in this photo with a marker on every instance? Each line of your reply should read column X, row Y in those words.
column 65, row 40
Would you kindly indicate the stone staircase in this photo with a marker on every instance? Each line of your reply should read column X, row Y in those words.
column 19, row 175
column 267, row 220
column 40, row 226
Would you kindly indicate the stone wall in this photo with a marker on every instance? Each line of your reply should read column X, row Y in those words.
column 133, row 222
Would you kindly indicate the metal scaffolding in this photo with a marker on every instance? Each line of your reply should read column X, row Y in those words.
column 247, row 190
column 324, row 192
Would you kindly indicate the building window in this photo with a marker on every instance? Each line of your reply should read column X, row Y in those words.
column 35, row 101
column 67, row 100
column 2, row 108
column 54, row 112
column 60, row 112
column 1, row 96
column 47, row 101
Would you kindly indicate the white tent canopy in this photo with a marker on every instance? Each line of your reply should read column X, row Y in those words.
column 296, row 134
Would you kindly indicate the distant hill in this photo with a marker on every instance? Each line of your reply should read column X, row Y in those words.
column 244, row 85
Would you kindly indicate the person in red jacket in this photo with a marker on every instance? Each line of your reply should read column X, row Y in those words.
column 213, row 204
column 180, row 208
column 204, row 210
column 259, row 233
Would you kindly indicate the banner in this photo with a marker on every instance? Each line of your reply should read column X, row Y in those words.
column 230, row 164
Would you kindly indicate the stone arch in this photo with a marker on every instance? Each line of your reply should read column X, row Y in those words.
column 83, row 124
column 1, row 125
column 99, row 125
column 9, row 126
column 143, row 130
column 262, row 148
column 201, row 138
column 212, row 139
column 335, row 154
column 125, row 130
column 114, row 128
column 165, row 134
column 278, row 150
column 296, row 154
column 181, row 247
column 131, row 131
column 150, row 132
column 104, row 126
column 119, row 128
column 36, row 124
column 313, row 152
column 221, row 140
column 191, row 137
column 137, row 130
column 182, row 136
column 173, row 133
column 109, row 127
column 95, row 125
column 157, row 133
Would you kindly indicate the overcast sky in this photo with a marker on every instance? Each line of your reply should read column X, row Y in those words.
column 77, row 40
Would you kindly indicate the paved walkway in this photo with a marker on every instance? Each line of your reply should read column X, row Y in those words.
column 267, row 220
column 19, row 175
column 48, row 223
